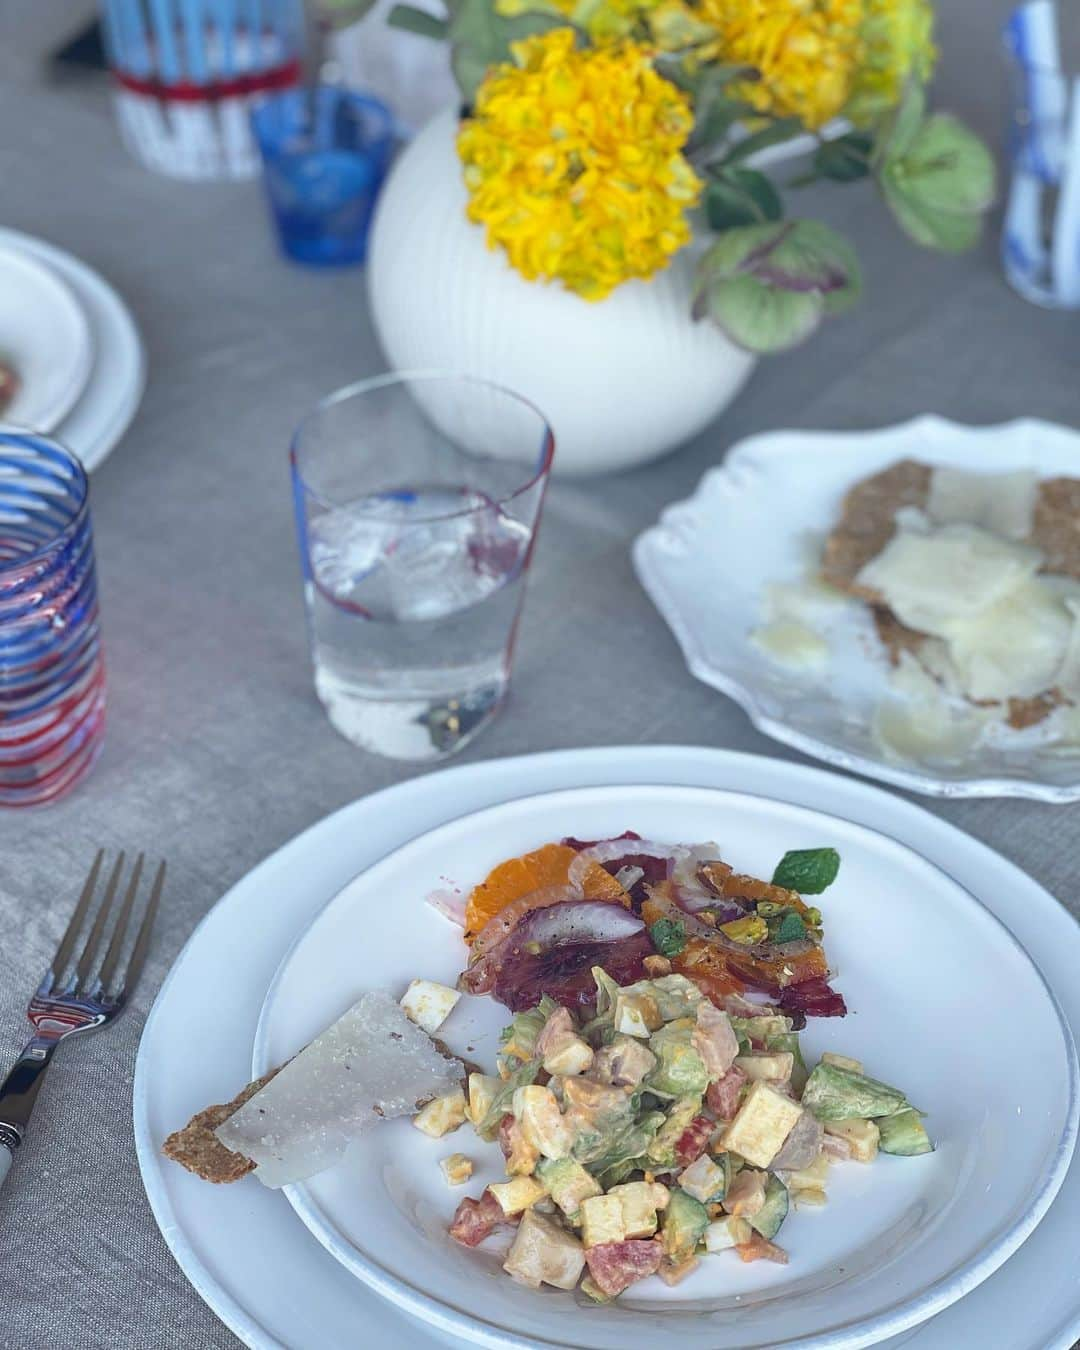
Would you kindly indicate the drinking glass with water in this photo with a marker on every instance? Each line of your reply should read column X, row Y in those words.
column 417, row 503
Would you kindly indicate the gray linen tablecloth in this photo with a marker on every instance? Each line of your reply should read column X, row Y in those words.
column 217, row 751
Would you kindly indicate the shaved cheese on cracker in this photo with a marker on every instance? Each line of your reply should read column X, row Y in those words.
column 792, row 644
column 930, row 581
column 1068, row 677
column 926, row 729
column 1003, row 503
column 373, row 1063
column 1015, row 648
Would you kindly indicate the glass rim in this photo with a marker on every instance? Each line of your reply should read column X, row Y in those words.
column 286, row 97
column 405, row 377
column 33, row 440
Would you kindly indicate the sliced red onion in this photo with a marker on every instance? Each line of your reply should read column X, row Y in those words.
column 450, row 904
column 628, row 877
column 608, row 850
column 501, row 925
column 692, row 900
column 690, row 859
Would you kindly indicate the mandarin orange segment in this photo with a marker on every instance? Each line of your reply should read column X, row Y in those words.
column 518, row 877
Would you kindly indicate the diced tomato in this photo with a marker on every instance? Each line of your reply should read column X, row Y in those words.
column 693, row 1141
column 760, row 1249
column 723, row 1096
column 814, row 998
column 615, row 1266
column 474, row 1220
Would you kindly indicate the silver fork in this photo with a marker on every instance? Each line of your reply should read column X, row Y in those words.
column 68, row 1002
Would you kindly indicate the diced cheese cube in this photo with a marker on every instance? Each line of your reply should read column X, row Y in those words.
column 775, row 1068
column 763, row 1122
column 538, row 1114
column 442, row 1115
column 702, row 1179
column 640, row 1200
column 602, row 1220
column 569, row 1057
column 637, row 1015
column 722, row 1234
column 544, row 1253
column 457, row 1169
column 624, row 1062
column 519, row 1194
column 429, row 1004
column 861, row 1135
column 842, row 1062
column 482, row 1089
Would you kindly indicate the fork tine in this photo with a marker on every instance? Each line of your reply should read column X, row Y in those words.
column 67, row 942
column 142, row 941
column 89, row 952
column 112, row 956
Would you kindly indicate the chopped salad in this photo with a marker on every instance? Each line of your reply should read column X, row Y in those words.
column 651, row 1106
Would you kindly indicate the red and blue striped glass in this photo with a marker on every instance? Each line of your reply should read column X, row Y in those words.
column 52, row 677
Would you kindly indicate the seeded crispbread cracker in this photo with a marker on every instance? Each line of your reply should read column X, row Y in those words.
column 197, row 1148
column 868, row 521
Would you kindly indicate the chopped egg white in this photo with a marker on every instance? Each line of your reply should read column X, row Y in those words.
column 429, row 1004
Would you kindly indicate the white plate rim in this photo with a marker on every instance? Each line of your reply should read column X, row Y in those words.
column 745, row 453
column 678, row 763
column 81, row 359
column 94, row 425
column 870, row 1331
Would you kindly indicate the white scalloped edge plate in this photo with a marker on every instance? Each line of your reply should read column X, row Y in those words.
column 705, row 565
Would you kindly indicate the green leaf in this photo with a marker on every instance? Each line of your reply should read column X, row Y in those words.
column 773, row 134
column 668, row 936
column 942, row 230
column 741, row 197
column 807, row 870
column 418, row 21
column 762, row 318
column 845, row 159
column 946, row 168
column 790, row 929
column 342, row 13
column 481, row 38
column 813, row 254
column 899, row 130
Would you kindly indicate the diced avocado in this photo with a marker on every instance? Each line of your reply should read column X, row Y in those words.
column 861, row 1135
column 723, row 1234
column 591, row 1289
column 661, row 1149
column 762, row 1028
column 772, row 1214
column 544, row 1253
column 789, row 1041
column 640, row 1200
column 519, row 1194
column 568, row 1184
column 774, row 1067
column 704, row 1179
column 684, row 1223
column 679, row 1068
column 602, row 1220
column 764, row 1121
column 904, row 1134
column 842, row 1061
column 832, row 1093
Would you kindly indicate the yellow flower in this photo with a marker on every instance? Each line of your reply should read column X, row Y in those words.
column 898, row 45
column 806, row 52
column 573, row 163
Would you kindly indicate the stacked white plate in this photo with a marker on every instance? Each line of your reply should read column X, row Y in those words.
column 73, row 346
column 944, row 1253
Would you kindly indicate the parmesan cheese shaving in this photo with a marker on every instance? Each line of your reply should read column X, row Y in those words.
column 926, row 729
column 1015, row 648
column 930, row 581
column 792, row 644
column 1068, row 677
column 1003, row 503
column 373, row 1063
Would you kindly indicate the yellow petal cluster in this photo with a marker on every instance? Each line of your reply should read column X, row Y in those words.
column 898, row 45
column 573, row 163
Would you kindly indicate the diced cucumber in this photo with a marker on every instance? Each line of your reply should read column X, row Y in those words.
column 904, row 1134
column 772, row 1214
column 832, row 1093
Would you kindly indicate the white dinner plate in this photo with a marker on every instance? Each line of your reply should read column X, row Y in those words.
column 45, row 337
column 117, row 378
column 896, row 1244
column 244, row 1249
column 708, row 561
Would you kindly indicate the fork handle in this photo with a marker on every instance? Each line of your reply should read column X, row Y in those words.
column 18, row 1093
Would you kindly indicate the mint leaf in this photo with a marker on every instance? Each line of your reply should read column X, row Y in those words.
column 807, row 870
column 790, row 928
column 668, row 936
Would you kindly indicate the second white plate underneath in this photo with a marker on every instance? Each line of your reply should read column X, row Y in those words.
column 44, row 337
column 751, row 521
column 898, row 1242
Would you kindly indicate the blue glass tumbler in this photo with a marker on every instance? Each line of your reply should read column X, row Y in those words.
column 52, row 677
column 325, row 155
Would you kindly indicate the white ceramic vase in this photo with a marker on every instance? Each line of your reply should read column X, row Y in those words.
column 621, row 382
